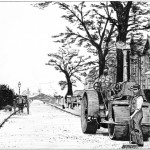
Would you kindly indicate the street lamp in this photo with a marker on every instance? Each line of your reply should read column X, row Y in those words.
column 19, row 85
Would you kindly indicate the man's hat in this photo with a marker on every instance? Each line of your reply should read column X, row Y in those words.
column 136, row 86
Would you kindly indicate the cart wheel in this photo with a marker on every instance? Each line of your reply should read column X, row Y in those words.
column 86, row 125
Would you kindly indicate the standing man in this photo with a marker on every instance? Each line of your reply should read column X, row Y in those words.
column 105, row 81
column 136, row 116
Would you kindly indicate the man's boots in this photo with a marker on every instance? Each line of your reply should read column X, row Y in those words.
column 139, row 138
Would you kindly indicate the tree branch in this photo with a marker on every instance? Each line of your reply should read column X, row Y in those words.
column 103, row 33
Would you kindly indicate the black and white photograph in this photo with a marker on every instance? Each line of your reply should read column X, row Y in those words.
column 74, row 74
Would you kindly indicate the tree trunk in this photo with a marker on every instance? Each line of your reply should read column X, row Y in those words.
column 69, row 92
column 69, row 85
column 122, row 18
column 122, row 32
column 101, row 64
column 119, row 77
column 128, row 65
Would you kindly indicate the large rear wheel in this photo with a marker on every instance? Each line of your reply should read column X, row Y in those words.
column 117, row 132
column 88, row 126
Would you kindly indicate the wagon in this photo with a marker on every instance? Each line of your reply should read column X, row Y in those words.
column 20, row 102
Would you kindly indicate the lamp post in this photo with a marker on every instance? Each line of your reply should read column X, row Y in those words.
column 19, row 85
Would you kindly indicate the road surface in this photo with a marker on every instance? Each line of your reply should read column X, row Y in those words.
column 48, row 127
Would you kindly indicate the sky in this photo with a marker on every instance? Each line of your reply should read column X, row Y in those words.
column 25, row 41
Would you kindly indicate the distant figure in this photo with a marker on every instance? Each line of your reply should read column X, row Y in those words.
column 136, row 116
column 20, row 103
column 63, row 102
column 63, row 107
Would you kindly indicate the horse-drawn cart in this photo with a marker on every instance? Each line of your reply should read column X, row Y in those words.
column 20, row 102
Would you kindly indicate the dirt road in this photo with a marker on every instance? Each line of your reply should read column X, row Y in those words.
column 48, row 127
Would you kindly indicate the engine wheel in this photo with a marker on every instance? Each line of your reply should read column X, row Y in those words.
column 86, row 125
column 118, row 131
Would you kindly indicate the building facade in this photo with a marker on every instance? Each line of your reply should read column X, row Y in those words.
column 140, row 66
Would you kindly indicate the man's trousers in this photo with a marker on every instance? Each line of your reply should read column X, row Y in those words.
column 135, row 128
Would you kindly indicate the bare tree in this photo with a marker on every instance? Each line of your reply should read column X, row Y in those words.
column 70, row 64
column 92, row 30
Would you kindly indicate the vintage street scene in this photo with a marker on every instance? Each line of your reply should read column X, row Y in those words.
column 75, row 75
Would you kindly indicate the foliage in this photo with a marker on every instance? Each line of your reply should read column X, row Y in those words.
column 93, row 31
column 62, row 84
column 70, row 63
column 136, row 45
column 98, row 24
column 131, row 17
column 139, row 17
column 42, row 5
column 6, row 95
column 88, row 24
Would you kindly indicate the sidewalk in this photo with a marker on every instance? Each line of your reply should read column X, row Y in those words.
column 76, row 111
column 4, row 114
